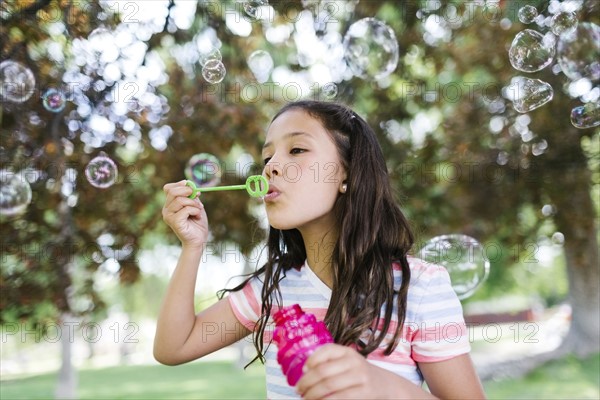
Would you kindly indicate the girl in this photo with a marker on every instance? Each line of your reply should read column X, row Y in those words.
column 337, row 246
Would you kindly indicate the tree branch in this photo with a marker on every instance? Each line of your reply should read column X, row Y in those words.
column 30, row 11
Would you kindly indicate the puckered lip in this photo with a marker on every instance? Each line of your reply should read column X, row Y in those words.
column 272, row 193
column 273, row 188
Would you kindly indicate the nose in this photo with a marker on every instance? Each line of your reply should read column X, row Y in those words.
column 272, row 168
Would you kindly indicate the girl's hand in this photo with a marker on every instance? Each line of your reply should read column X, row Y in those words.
column 186, row 217
column 340, row 372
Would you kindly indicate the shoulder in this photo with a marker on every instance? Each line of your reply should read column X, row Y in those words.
column 421, row 270
column 422, row 273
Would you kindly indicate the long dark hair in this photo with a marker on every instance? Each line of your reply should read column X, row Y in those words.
column 373, row 234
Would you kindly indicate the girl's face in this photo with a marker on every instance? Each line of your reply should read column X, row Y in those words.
column 304, row 172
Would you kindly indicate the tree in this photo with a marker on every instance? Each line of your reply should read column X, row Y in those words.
column 136, row 92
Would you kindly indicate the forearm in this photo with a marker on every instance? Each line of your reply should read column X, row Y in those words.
column 177, row 314
column 401, row 388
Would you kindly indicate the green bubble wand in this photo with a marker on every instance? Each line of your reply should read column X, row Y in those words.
column 256, row 186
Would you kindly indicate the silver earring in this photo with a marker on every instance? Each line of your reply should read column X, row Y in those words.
column 344, row 187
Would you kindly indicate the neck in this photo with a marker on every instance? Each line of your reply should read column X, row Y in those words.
column 319, row 249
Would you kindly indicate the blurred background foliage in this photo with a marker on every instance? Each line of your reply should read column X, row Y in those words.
column 462, row 160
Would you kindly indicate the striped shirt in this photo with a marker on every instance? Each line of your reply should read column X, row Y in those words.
column 434, row 328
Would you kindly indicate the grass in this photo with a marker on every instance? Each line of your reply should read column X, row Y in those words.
column 201, row 380
column 569, row 378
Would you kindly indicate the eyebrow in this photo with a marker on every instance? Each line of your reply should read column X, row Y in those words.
column 287, row 136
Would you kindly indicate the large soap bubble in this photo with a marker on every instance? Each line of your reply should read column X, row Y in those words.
column 564, row 23
column 578, row 53
column 586, row 116
column 528, row 94
column 203, row 169
column 531, row 51
column 15, row 193
column 464, row 259
column 17, row 82
column 101, row 172
column 371, row 49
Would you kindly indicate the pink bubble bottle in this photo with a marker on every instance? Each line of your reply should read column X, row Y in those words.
column 297, row 335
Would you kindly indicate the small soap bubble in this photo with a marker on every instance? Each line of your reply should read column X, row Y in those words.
column 464, row 259
column 586, row 116
column 527, row 14
column 530, row 94
column 214, row 71
column 15, row 193
column 251, row 8
column 531, row 51
column 558, row 238
column 371, row 49
column 564, row 23
column 330, row 90
column 578, row 53
column 209, row 54
column 54, row 100
column 261, row 64
column 101, row 172
column 203, row 169
column 17, row 82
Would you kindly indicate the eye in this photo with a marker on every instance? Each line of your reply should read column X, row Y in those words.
column 297, row 150
column 266, row 160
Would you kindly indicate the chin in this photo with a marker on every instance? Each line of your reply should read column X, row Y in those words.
column 281, row 222
column 282, row 226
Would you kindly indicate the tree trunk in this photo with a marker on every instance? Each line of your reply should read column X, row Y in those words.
column 66, row 387
column 576, row 219
column 584, row 296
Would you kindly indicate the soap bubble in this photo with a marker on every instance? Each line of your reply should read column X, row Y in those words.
column 209, row 54
column 203, row 169
column 251, row 8
column 17, row 82
column 214, row 71
column 529, row 94
column 371, row 49
column 330, row 90
column 527, row 14
column 586, row 116
column 54, row 100
column 464, row 259
column 15, row 193
column 101, row 172
column 531, row 51
column 261, row 65
column 564, row 23
column 578, row 53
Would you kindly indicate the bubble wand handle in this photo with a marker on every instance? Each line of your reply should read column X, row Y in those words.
column 256, row 186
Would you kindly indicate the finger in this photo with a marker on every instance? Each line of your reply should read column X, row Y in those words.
column 177, row 186
column 182, row 192
column 179, row 204
column 327, row 352
column 351, row 391
column 342, row 386
column 170, row 185
column 321, row 379
column 186, row 213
